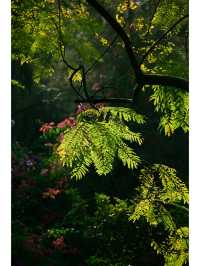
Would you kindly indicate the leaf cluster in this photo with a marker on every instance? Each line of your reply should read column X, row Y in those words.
column 173, row 106
column 99, row 137
column 160, row 188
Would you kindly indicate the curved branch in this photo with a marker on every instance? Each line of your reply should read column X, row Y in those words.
column 72, row 85
column 84, row 82
column 148, row 79
column 159, row 79
column 162, row 37
column 141, row 78
column 119, row 30
column 61, row 42
column 180, row 206
column 102, row 55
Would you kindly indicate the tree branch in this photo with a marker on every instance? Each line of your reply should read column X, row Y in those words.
column 84, row 82
column 72, row 85
column 61, row 42
column 106, row 100
column 119, row 30
column 75, row 70
column 148, row 79
column 180, row 206
column 165, row 80
column 102, row 55
column 162, row 37
column 141, row 78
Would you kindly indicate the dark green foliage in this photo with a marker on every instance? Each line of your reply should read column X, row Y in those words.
column 69, row 227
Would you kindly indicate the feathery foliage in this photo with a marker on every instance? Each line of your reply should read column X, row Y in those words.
column 99, row 136
column 160, row 188
column 175, row 248
column 172, row 104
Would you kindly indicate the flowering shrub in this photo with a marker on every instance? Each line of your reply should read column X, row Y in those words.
column 71, row 122
column 59, row 243
column 67, row 228
column 51, row 193
column 46, row 127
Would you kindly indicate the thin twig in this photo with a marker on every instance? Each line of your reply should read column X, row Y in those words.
column 152, row 17
column 162, row 37
column 180, row 206
column 72, row 85
column 61, row 42
column 75, row 70
column 120, row 31
column 166, row 80
column 84, row 81
column 102, row 55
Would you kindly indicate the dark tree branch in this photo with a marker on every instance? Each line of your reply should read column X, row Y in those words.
column 75, row 70
column 137, row 90
column 142, row 79
column 83, row 73
column 61, row 42
column 72, row 85
column 106, row 100
column 119, row 30
column 148, row 79
column 165, row 80
column 162, row 37
column 102, row 55
column 180, row 207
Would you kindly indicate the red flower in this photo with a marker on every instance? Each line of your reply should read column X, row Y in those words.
column 51, row 193
column 61, row 124
column 70, row 122
column 59, row 243
column 46, row 127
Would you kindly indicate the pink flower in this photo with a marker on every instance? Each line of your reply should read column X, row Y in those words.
column 70, row 122
column 59, row 243
column 46, row 127
column 51, row 193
